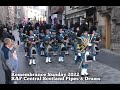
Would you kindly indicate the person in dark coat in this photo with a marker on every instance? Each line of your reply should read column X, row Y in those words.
column 5, row 34
column 11, row 35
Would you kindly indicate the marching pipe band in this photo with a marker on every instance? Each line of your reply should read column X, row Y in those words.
column 47, row 41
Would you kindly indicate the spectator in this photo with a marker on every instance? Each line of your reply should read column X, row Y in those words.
column 11, row 35
column 1, row 31
column 5, row 34
column 8, row 55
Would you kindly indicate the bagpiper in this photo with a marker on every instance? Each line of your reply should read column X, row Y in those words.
column 41, row 43
column 32, row 41
column 54, row 43
column 36, row 33
column 61, row 43
column 25, row 39
column 67, row 38
column 76, row 33
column 47, row 43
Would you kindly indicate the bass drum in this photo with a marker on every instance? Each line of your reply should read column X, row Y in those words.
column 96, row 48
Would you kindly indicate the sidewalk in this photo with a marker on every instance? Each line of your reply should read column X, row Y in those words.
column 109, row 58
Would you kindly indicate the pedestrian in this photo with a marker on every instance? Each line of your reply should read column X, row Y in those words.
column 11, row 35
column 5, row 34
column 15, row 58
column 7, row 57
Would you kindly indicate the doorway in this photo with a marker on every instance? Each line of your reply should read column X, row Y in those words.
column 106, row 32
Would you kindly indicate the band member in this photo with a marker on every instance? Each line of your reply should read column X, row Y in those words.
column 32, row 47
column 47, row 43
column 94, row 39
column 41, row 43
column 82, row 46
column 77, row 33
column 61, row 43
column 77, row 52
column 25, row 39
column 66, row 39
column 36, row 33
column 54, row 43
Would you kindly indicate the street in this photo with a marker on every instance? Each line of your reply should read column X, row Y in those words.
column 106, row 67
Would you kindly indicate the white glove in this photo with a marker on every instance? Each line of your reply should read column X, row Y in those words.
column 79, row 54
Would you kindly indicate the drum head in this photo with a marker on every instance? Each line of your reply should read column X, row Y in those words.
column 89, row 57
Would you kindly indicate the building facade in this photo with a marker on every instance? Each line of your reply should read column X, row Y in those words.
column 78, row 13
column 110, row 17
column 55, row 14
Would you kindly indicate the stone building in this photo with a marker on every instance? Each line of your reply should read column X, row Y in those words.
column 78, row 13
column 109, row 20
column 7, row 14
column 55, row 14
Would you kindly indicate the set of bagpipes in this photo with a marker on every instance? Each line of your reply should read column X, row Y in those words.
column 66, row 44
column 31, row 44
column 48, row 45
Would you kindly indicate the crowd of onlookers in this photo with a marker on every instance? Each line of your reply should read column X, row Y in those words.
column 6, row 32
